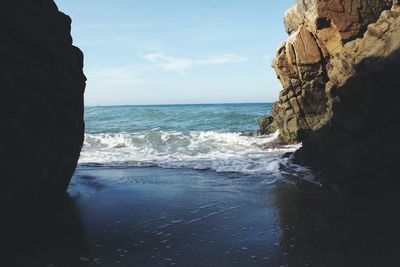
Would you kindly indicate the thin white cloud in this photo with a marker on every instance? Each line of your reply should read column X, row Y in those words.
column 124, row 76
column 180, row 64
column 168, row 62
column 131, row 76
column 222, row 59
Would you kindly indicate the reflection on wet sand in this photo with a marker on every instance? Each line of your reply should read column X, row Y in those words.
column 41, row 235
column 160, row 217
column 321, row 228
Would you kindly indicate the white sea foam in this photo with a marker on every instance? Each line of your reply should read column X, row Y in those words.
column 221, row 152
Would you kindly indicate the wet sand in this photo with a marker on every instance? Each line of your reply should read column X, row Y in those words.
column 167, row 217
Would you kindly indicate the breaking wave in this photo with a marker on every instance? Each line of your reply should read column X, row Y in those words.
column 203, row 150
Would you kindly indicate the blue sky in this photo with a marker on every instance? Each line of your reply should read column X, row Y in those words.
column 178, row 51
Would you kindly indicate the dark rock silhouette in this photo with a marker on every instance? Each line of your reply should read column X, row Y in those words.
column 42, row 86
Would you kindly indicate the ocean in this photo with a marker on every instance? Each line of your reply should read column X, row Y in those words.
column 215, row 137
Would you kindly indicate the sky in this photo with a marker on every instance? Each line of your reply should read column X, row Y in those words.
column 178, row 51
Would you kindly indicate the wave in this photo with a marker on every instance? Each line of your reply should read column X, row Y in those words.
column 204, row 150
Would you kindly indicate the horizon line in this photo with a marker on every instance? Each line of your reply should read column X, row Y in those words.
column 179, row 104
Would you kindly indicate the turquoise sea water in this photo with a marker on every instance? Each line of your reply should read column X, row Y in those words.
column 206, row 137
column 183, row 118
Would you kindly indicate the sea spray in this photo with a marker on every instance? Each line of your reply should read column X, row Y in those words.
column 202, row 137
column 221, row 152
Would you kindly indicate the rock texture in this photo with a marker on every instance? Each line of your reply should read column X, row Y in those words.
column 42, row 86
column 340, row 91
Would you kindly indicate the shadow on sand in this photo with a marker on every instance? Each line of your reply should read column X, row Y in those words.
column 42, row 229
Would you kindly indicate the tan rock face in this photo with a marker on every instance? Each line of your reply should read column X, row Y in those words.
column 350, row 17
column 378, row 42
column 319, row 30
column 338, row 72
column 305, row 48
column 396, row 5
column 300, row 65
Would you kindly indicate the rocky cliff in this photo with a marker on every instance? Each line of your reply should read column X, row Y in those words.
column 42, row 86
column 340, row 93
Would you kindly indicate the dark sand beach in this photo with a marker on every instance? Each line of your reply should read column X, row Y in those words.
column 181, row 217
